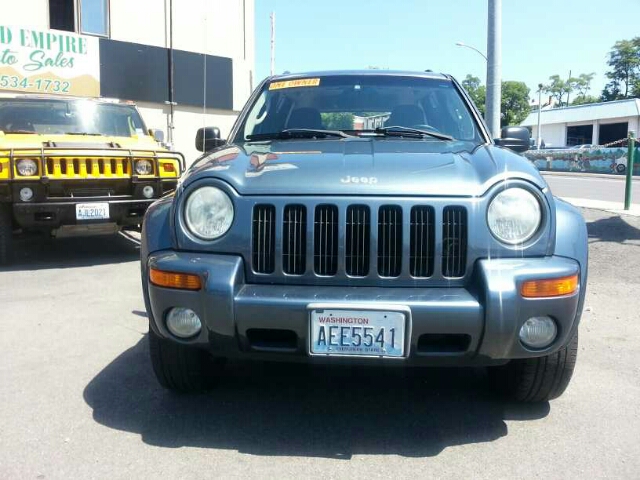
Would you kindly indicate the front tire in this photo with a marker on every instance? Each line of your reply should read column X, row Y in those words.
column 537, row 379
column 180, row 368
column 6, row 234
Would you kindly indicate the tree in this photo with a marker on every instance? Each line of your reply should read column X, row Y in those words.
column 558, row 88
column 584, row 99
column 515, row 103
column 581, row 84
column 337, row 121
column 476, row 91
column 514, row 106
column 624, row 76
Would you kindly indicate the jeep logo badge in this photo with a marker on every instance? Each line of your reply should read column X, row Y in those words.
column 368, row 180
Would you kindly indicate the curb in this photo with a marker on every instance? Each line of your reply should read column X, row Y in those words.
column 611, row 207
column 610, row 176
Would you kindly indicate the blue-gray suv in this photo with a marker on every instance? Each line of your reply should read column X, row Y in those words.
column 370, row 218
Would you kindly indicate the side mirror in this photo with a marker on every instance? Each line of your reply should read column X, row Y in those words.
column 157, row 134
column 208, row 138
column 514, row 138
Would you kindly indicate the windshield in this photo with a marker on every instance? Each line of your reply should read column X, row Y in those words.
column 59, row 117
column 358, row 104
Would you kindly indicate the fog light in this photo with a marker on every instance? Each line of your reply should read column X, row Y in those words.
column 538, row 332
column 183, row 322
column 26, row 194
column 147, row 191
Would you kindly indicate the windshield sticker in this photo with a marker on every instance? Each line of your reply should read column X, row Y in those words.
column 303, row 82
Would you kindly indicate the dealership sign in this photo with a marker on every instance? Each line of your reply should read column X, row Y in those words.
column 49, row 61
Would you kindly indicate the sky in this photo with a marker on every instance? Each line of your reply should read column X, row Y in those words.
column 539, row 38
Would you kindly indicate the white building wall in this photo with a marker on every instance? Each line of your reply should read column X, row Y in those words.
column 187, row 121
column 25, row 13
column 554, row 135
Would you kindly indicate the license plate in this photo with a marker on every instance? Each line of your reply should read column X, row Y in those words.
column 345, row 332
column 92, row 211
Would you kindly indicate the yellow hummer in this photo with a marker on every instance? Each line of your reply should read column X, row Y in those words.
column 78, row 165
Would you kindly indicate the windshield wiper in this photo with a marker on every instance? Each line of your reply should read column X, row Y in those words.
column 397, row 130
column 298, row 133
column 83, row 133
column 20, row 131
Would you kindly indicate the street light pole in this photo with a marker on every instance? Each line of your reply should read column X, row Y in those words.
column 494, row 58
column 273, row 42
column 460, row 44
column 539, row 135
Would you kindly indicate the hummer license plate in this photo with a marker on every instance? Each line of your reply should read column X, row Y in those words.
column 92, row 211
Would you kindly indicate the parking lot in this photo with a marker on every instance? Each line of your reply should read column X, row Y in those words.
column 79, row 399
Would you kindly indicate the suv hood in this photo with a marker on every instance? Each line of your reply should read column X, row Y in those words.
column 362, row 166
column 17, row 140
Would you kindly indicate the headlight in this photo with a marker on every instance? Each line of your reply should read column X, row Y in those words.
column 27, row 167
column 514, row 215
column 208, row 213
column 144, row 167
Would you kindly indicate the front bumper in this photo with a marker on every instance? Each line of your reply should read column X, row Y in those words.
column 57, row 214
column 488, row 313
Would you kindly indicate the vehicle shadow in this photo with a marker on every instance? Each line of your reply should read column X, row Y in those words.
column 37, row 252
column 614, row 229
column 302, row 410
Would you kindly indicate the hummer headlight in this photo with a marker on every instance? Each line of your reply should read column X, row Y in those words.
column 27, row 167
column 208, row 213
column 144, row 167
column 514, row 215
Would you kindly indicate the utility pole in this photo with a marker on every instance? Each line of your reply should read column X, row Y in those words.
column 494, row 56
column 539, row 135
column 273, row 42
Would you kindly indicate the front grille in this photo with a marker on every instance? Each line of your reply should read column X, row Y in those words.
column 357, row 240
column 264, row 235
column 389, row 240
column 88, row 167
column 294, row 239
column 346, row 243
column 325, row 240
column 454, row 241
column 422, row 237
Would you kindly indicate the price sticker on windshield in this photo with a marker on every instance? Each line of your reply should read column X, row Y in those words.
column 301, row 82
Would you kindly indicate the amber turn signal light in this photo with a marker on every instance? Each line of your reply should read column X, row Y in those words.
column 183, row 281
column 551, row 287
column 168, row 167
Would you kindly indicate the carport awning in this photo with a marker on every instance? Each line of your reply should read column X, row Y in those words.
column 585, row 113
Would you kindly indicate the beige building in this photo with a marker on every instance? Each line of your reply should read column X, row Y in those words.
column 186, row 63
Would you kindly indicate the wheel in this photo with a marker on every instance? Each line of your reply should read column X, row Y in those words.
column 620, row 168
column 537, row 379
column 6, row 233
column 182, row 369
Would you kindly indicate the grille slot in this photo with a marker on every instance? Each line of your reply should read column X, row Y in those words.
column 357, row 241
column 454, row 241
column 325, row 240
column 294, row 239
column 389, row 240
column 263, row 242
column 422, row 232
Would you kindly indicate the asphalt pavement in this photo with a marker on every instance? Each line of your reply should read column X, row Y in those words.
column 79, row 399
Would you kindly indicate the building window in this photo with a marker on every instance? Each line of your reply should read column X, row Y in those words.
column 62, row 15
column 94, row 17
column 610, row 132
column 579, row 135
column 83, row 16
